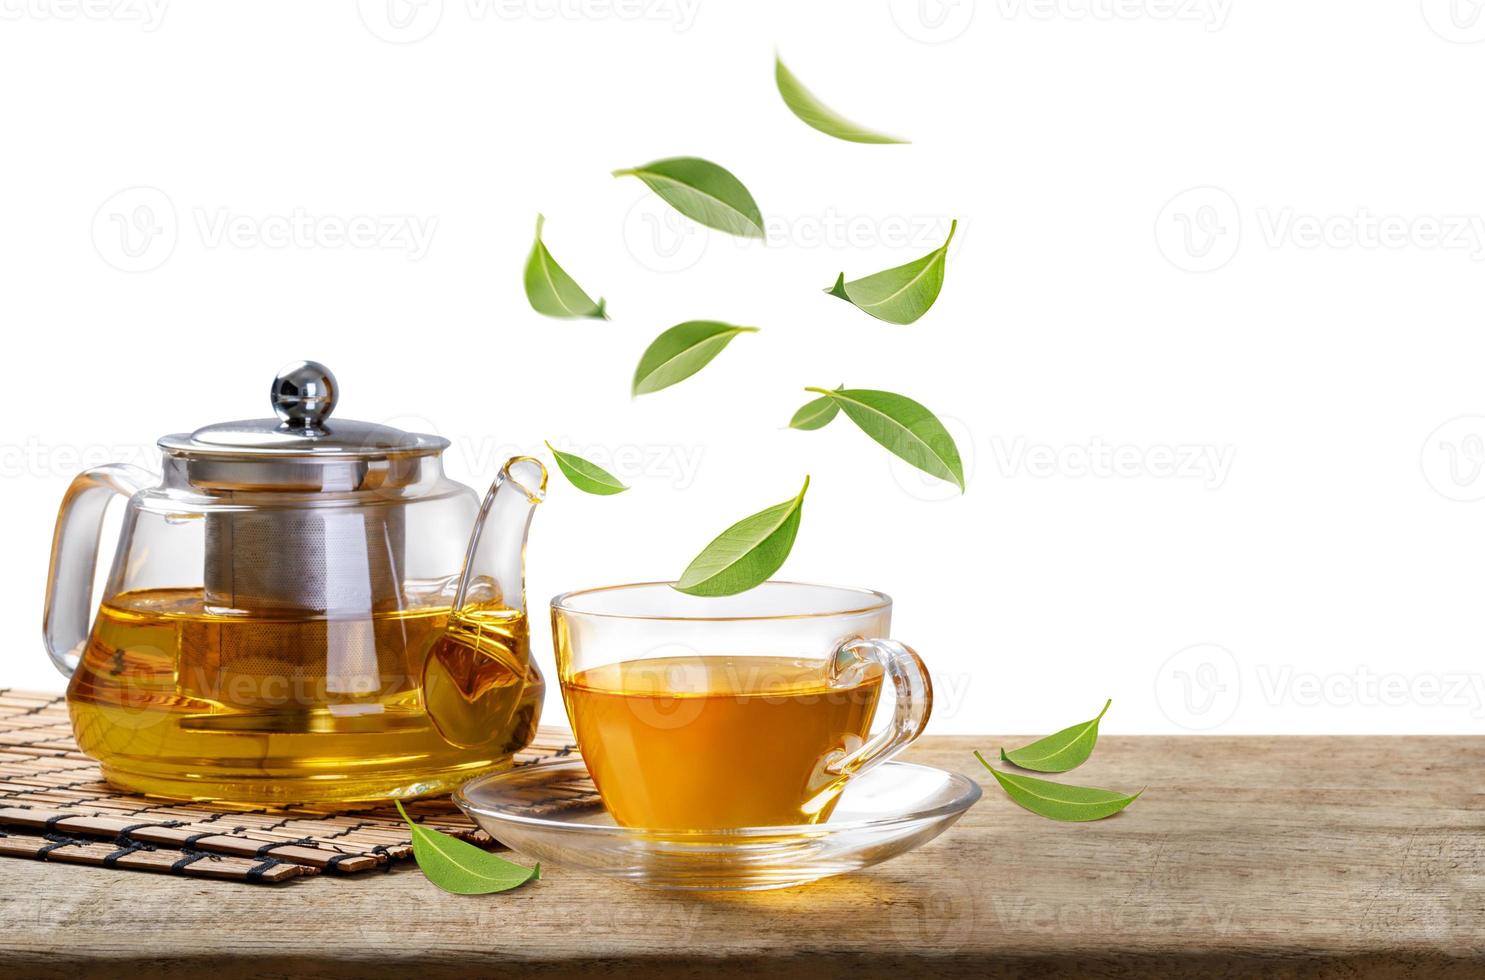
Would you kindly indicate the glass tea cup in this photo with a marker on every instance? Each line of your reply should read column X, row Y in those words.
column 751, row 710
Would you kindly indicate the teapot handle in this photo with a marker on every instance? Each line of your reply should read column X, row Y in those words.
column 69, row 580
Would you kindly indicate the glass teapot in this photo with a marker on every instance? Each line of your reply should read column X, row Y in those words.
column 297, row 611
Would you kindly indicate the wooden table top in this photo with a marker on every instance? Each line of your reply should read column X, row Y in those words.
column 1296, row 856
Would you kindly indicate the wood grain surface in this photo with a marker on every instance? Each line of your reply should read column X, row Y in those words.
column 1279, row 857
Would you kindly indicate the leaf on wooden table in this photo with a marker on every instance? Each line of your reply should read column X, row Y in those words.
column 1059, row 751
column 1058, row 801
column 458, row 866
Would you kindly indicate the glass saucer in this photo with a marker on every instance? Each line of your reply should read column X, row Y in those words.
column 551, row 812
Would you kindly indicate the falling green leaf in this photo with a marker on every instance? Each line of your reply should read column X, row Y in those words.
column 587, row 476
column 902, row 294
column 681, row 351
column 458, row 866
column 816, row 414
column 1057, row 801
column 905, row 428
column 704, row 192
column 745, row 554
column 803, row 103
column 1060, row 751
column 550, row 290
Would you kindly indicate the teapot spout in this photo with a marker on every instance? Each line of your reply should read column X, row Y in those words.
column 494, row 563
column 480, row 687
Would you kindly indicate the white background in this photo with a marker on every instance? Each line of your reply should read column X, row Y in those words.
column 1233, row 246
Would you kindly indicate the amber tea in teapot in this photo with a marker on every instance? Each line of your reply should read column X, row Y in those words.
column 249, row 697
column 302, row 610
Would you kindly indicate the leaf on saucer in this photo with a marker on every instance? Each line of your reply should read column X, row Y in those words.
column 1058, row 801
column 587, row 476
column 803, row 103
column 745, row 554
column 551, row 291
column 458, row 866
column 1059, row 751
column 901, row 294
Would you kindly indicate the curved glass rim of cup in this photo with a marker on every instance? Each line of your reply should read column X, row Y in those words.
column 634, row 600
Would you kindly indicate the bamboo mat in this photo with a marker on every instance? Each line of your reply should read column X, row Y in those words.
column 55, row 806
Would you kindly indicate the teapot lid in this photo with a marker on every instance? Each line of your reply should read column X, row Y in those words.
column 292, row 450
column 304, row 395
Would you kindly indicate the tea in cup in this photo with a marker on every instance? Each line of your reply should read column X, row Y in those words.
column 751, row 710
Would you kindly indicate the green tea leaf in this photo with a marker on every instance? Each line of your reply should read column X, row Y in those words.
column 458, row 866
column 803, row 103
column 704, row 192
column 745, row 554
column 816, row 414
column 902, row 294
column 681, row 351
column 1060, row 751
column 586, row 476
column 1057, row 801
column 907, row 429
column 550, row 290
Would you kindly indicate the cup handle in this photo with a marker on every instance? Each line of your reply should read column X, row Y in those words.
column 914, row 702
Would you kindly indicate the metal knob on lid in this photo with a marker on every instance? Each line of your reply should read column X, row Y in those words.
column 304, row 394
